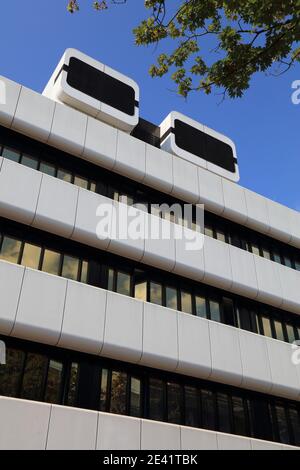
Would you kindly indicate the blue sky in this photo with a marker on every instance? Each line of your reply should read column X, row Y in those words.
column 264, row 124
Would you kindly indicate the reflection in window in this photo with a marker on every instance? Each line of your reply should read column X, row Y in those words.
column 81, row 182
column 174, row 402
column 221, row 236
column 295, row 424
column 31, row 256
column 287, row 261
column 140, row 291
column 73, row 383
column 208, row 231
column 191, row 406
column 10, row 372
column 31, row 162
column 93, row 187
column 47, row 168
column 34, row 374
column 123, row 283
column 186, row 302
column 239, row 416
column 70, row 267
column 118, row 392
column 53, row 385
column 135, row 397
column 214, row 308
column 10, row 249
column 255, row 249
column 156, row 399
column 64, row 175
column 155, row 293
column 282, row 424
column 266, row 326
column 110, row 281
column 11, row 154
column 266, row 253
column 208, row 411
column 290, row 333
column 84, row 272
column 201, row 307
column 103, row 390
column 51, row 262
column 276, row 257
column 223, row 413
column 279, row 330
column 171, row 298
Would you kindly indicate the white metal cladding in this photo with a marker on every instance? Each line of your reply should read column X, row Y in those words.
column 64, row 428
column 33, row 114
column 169, row 144
column 58, row 207
column 40, row 307
column 58, row 89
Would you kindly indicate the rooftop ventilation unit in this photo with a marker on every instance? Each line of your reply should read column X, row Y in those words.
column 96, row 89
column 197, row 143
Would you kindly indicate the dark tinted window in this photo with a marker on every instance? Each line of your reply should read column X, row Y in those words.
column 204, row 146
column 102, row 87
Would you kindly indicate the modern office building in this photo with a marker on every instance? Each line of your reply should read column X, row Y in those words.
column 138, row 343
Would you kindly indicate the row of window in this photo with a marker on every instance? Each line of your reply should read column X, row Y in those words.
column 60, row 165
column 147, row 284
column 35, row 372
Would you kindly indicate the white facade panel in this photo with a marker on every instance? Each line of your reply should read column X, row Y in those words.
column 130, row 157
column 56, row 207
column 257, row 212
column 185, row 181
column 244, row 280
column 290, row 282
column 160, row 436
column 210, row 191
column 123, row 334
column 9, row 96
column 100, row 145
column 72, row 429
column 280, row 223
column 217, row 263
column 40, row 310
column 117, row 432
column 198, row 439
column 230, row 442
column 34, row 115
column 235, row 207
column 190, row 262
column 83, row 319
column 11, row 278
column 159, row 169
column 268, row 281
column 160, row 252
column 18, row 200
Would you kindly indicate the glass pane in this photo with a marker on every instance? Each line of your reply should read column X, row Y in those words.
column 201, row 307
column 276, row 257
column 208, row 409
column 81, row 182
column 223, row 413
column 31, row 162
column 11, row 154
column 123, row 283
column 215, row 313
column 295, row 424
column 174, row 401
column 287, row 261
column 191, row 400
column 244, row 319
column 118, row 392
column 31, row 256
column 84, row 272
column 155, row 293
column 103, row 390
column 221, row 236
column 266, row 253
column 282, row 424
column 186, row 302
column 51, row 262
column 47, row 168
column 208, row 231
column 70, row 267
column 255, row 249
column 135, row 397
column 279, row 330
column 267, row 331
column 239, row 416
column 11, row 372
column 64, row 175
column 34, row 375
column 140, row 291
column 73, row 382
column 93, row 187
column 156, row 397
column 171, row 298
column 110, row 283
column 290, row 333
column 228, row 312
column 10, row 249
column 297, row 265
column 53, row 386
